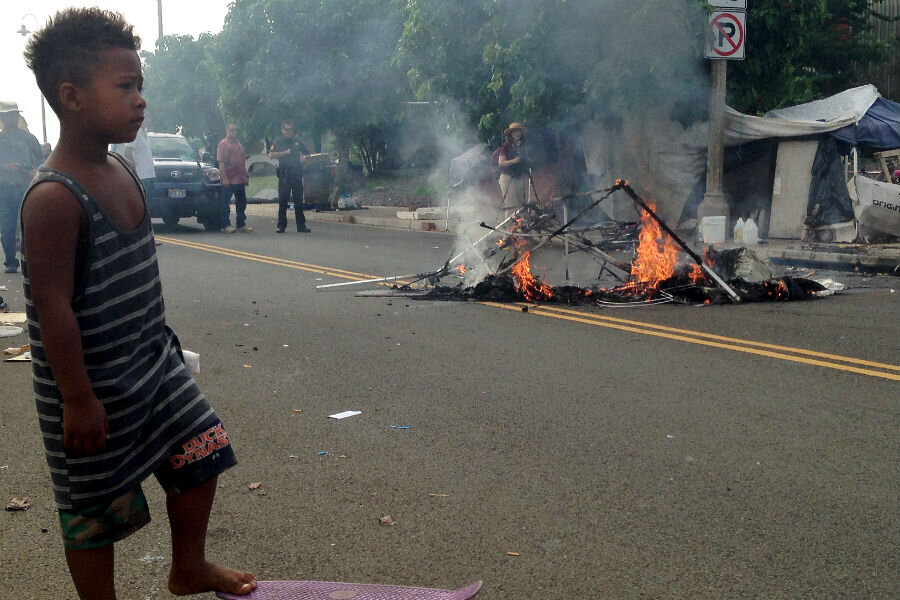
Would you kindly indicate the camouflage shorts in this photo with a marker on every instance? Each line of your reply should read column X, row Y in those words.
column 197, row 459
column 104, row 524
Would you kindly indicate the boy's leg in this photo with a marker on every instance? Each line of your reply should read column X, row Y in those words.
column 93, row 572
column 89, row 535
column 191, row 573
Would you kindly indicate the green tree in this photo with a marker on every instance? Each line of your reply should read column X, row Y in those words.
column 551, row 61
column 325, row 65
column 801, row 50
column 182, row 88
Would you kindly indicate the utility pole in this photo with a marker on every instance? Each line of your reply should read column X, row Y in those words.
column 714, row 202
column 159, row 18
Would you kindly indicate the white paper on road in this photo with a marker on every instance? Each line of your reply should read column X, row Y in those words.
column 345, row 414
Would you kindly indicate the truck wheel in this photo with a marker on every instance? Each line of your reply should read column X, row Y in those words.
column 170, row 220
column 210, row 221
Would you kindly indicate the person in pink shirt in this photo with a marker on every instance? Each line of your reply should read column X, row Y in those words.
column 231, row 157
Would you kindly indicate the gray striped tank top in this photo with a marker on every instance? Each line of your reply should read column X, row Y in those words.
column 133, row 360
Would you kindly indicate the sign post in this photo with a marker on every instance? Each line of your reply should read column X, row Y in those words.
column 725, row 41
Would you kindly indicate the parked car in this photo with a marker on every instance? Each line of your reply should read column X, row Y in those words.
column 187, row 185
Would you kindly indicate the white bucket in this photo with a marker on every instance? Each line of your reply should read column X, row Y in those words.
column 712, row 230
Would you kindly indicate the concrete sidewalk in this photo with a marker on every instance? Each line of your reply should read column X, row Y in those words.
column 869, row 258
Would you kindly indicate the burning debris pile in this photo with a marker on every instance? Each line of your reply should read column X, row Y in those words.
column 663, row 270
column 684, row 285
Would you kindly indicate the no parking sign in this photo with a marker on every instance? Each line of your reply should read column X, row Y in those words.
column 727, row 36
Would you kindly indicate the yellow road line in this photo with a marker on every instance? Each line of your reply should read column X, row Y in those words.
column 798, row 355
column 858, row 361
column 540, row 311
column 280, row 262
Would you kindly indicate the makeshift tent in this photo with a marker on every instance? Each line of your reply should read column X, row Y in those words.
column 263, row 182
column 784, row 168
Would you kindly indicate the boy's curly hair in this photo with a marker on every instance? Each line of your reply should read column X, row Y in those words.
column 70, row 46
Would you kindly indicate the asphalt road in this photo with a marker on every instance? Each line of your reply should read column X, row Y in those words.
column 660, row 452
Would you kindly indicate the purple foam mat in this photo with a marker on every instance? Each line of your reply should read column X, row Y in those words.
column 333, row 590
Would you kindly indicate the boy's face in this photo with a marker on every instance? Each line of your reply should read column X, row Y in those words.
column 112, row 99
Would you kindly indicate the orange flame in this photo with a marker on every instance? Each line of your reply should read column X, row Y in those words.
column 532, row 289
column 696, row 273
column 462, row 269
column 657, row 255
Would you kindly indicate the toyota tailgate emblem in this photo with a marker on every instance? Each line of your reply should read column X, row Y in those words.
column 176, row 174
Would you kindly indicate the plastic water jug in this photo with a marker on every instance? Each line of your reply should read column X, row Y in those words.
column 739, row 230
column 750, row 233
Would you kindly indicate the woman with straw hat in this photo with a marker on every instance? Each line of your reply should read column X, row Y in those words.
column 512, row 168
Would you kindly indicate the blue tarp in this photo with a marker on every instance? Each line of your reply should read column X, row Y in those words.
column 878, row 129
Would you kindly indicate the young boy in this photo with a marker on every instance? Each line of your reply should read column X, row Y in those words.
column 114, row 399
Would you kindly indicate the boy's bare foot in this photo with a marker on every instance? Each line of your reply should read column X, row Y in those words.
column 210, row 577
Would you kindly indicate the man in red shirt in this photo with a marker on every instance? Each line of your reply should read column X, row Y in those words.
column 231, row 157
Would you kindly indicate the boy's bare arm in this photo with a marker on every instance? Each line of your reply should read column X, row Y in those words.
column 51, row 218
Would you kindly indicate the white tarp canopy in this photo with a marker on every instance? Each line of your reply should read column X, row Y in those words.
column 662, row 156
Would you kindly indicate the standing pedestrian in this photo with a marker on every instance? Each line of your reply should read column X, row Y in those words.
column 513, row 168
column 233, row 167
column 20, row 155
column 289, row 150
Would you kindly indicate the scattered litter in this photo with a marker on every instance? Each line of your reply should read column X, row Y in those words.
column 298, row 410
column 318, row 279
column 12, row 318
column 247, row 366
column 191, row 361
column 246, row 324
column 2, row 288
column 10, row 331
column 831, row 284
column 322, row 453
column 512, row 554
column 22, row 504
column 345, row 414
column 671, row 437
column 399, row 426
column 439, row 495
column 149, row 558
column 285, row 345
column 254, row 485
column 17, row 351
column 386, row 520
column 24, row 357
column 291, row 456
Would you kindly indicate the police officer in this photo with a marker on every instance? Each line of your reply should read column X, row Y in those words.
column 20, row 155
column 288, row 149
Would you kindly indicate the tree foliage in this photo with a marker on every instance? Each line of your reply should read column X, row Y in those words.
column 800, row 50
column 325, row 65
column 182, row 88
column 346, row 66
